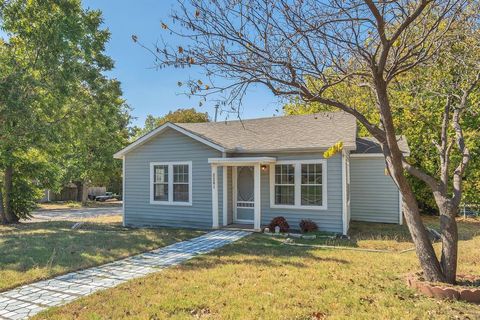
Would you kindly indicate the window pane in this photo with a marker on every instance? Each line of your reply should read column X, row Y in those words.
column 312, row 173
column 284, row 174
column 311, row 195
column 180, row 192
column 285, row 195
column 180, row 173
column 160, row 174
column 160, row 192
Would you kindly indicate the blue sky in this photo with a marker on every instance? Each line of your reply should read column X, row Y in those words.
column 149, row 91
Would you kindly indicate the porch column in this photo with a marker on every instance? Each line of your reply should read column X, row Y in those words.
column 214, row 196
column 225, row 196
column 256, row 197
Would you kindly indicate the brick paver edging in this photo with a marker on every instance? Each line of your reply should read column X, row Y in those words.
column 26, row 301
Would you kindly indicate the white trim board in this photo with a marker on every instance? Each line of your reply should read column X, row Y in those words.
column 400, row 208
column 159, row 130
column 123, row 191
column 241, row 161
column 367, row 155
column 170, row 183
column 345, row 222
column 225, row 196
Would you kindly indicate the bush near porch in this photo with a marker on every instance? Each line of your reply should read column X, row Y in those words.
column 260, row 278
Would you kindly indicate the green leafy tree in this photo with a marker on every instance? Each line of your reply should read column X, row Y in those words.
column 421, row 88
column 178, row 116
column 91, row 139
column 52, row 50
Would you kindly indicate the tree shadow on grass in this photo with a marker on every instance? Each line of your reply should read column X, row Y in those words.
column 257, row 250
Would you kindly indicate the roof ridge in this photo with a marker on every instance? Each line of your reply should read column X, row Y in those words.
column 266, row 118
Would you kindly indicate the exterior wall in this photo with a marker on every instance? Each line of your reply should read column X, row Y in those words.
column 374, row 195
column 170, row 146
column 174, row 146
column 327, row 220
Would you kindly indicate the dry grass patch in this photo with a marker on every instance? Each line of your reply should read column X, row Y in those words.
column 389, row 237
column 259, row 278
column 40, row 250
column 64, row 205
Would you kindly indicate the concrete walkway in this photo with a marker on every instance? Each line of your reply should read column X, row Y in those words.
column 26, row 301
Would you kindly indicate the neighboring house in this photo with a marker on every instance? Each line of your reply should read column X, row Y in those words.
column 70, row 192
column 209, row 175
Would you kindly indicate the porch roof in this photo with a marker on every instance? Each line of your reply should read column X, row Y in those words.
column 241, row 161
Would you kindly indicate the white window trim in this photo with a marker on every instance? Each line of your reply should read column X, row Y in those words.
column 170, row 183
column 298, row 175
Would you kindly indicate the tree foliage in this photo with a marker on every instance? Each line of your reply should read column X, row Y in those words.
column 417, row 100
column 51, row 77
column 178, row 116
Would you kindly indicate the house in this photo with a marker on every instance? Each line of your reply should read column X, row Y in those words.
column 210, row 175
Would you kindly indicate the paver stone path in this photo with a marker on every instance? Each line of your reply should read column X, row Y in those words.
column 26, row 301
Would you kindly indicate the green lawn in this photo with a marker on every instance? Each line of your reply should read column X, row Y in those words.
column 261, row 278
column 34, row 251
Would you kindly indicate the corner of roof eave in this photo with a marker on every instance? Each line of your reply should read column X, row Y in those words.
column 118, row 155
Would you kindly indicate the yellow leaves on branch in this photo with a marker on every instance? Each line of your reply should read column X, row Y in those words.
column 333, row 150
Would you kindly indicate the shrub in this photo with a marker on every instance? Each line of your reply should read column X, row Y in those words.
column 307, row 225
column 280, row 222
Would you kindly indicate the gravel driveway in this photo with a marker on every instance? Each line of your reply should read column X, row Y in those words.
column 73, row 214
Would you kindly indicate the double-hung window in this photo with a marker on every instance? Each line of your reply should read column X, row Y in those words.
column 311, row 184
column 299, row 184
column 284, row 184
column 171, row 183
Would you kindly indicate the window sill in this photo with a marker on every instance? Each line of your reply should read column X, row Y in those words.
column 171, row 203
column 277, row 206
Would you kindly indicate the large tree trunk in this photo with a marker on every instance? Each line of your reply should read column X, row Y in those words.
column 79, row 191
column 424, row 249
column 449, row 232
column 84, row 193
column 2, row 211
column 8, row 189
column 393, row 156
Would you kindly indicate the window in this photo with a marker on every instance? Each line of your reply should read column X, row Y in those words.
column 284, row 184
column 171, row 183
column 180, row 182
column 298, row 184
column 160, row 183
column 311, row 193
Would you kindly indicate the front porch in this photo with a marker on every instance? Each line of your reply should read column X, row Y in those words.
column 241, row 205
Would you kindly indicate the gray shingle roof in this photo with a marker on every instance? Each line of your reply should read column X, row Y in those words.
column 287, row 133
column 371, row 145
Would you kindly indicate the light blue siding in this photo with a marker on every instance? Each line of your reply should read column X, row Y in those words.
column 170, row 146
column 374, row 195
column 327, row 220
